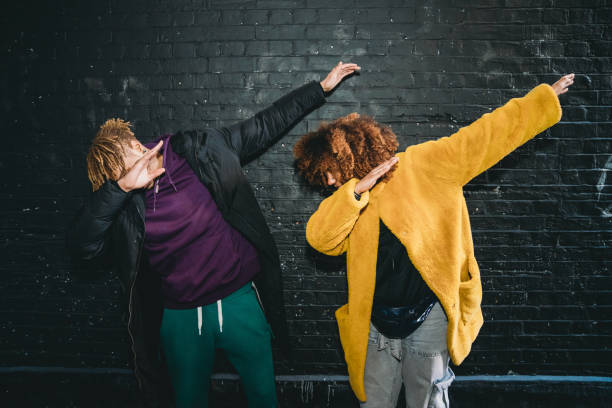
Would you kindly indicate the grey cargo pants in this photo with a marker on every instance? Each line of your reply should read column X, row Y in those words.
column 420, row 361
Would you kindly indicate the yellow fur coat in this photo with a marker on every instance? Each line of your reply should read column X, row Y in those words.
column 423, row 205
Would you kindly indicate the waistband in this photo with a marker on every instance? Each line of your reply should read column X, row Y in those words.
column 243, row 290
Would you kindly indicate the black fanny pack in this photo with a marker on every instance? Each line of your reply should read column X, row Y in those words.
column 400, row 322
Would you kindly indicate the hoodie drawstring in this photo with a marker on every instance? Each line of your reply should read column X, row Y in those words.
column 200, row 320
column 156, row 188
column 220, row 315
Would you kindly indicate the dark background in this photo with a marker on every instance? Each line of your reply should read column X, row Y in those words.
column 541, row 217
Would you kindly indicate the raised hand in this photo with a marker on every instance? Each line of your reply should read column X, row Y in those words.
column 563, row 84
column 140, row 176
column 372, row 177
column 337, row 74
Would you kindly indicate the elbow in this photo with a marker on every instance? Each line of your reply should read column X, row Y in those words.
column 315, row 239
column 323, row 244
column 312, row 237
column 82, row 251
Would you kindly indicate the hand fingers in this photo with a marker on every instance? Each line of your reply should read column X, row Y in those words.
column 153, row 151
column 380, row 173
column 381, row 169
column 565, row 83
column 389, row 164
column 350, row 70
column 378, row 168
column 567, row 79
column 561, row 86
column 345, row 73
column 350, row 67
column 149, row 154
column 386, row 163
column 157, row 173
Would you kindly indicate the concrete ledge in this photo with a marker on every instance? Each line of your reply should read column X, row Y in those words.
column 99, row 387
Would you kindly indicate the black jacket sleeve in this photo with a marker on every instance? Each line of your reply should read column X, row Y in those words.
column 86, row 235
column 256, row 134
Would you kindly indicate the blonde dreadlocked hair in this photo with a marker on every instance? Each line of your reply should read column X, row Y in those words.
column 105, row 156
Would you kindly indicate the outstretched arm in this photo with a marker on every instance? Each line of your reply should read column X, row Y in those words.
column 256, row 134
column 475, row 148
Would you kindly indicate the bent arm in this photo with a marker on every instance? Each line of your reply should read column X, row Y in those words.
column 475, row 148
column 257, row 133
column 328, row 228
column 86, row 235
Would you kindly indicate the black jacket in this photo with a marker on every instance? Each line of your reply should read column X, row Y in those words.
column 110, row 227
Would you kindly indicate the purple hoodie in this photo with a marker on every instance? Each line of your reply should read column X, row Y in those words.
column 198, row 255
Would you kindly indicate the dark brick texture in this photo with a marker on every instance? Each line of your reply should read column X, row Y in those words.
column 541, row 217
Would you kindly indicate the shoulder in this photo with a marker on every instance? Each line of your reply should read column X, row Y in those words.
column 185, row 141
column 213, row 141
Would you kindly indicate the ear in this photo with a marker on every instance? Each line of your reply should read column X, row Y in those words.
column 134, row 144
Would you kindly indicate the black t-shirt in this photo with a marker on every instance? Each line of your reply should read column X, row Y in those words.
column 398, row 282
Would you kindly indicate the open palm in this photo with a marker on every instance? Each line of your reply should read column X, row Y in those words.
column 372, row 177
column 139, row 176
column 562, row 85
column 337, row 74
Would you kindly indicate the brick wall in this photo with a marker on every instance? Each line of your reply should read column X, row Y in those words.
column 541, row 217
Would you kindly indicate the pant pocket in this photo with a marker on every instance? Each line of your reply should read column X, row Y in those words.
column 255, row 307
column 439, row 392
column 373, row 335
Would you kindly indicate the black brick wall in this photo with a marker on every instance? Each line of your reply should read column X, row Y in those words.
column 541, row 218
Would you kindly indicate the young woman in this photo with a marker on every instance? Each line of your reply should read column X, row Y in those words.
column 414, row 286
column 179, row 223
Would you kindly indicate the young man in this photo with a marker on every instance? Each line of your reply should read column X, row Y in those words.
column 180, row 224
column 414, row 288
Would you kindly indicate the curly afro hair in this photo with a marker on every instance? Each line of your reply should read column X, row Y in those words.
column 350, row 146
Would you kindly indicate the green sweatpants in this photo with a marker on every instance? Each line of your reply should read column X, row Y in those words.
column 235, row 324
